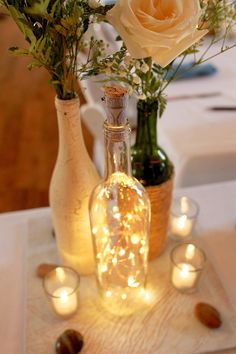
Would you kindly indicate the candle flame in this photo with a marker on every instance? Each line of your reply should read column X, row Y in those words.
column 64, row 296
column 184, row 205
column 182, row 222
column 184, row 270
column 190, row 251
column 60, row 274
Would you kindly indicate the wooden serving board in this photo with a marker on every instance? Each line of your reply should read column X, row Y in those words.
column 166, row 326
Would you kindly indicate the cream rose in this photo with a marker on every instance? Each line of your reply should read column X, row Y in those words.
column 161, row 29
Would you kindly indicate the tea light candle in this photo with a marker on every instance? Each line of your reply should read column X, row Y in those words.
column 184, row 212
column 64, row 301
column 61, row 287
column 187, row 264
column 181, row 226
column 184, row 276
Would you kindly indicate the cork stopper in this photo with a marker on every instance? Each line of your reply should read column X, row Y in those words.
column 116, row 100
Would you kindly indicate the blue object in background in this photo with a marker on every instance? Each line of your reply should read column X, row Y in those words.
column 109, row 2
column 186, row 72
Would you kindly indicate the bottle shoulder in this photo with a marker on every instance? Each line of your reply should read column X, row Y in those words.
column 119, row 185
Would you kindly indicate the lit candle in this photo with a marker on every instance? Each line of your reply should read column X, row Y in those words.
column 184, row 212
column 187, row 264
column 181, row 226
column 64, row 301
column 184, row 276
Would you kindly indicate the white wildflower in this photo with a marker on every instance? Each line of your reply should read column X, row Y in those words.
column 142, row 97
column 136, row 80
column 144, row 68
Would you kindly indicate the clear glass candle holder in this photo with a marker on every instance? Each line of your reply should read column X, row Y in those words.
column 187, row 264
column 61, row 287
column 184, row 212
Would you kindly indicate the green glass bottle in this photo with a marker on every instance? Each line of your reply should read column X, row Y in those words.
column 150, row 164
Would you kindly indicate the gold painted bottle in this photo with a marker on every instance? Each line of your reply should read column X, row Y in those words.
column 119, row 216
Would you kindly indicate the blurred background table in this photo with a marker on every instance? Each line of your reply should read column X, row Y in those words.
column 200, row 142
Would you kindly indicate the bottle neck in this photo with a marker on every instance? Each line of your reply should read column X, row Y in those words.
column 117, row 149
column 147, row 124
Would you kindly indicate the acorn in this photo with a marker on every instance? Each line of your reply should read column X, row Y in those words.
column 45, row 268
column 69, row 342
column 208, row 315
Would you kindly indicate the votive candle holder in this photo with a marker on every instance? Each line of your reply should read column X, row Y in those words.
column 61, row 287
column 184, row 213
column 187, row 264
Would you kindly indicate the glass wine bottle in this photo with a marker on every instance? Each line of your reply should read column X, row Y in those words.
column 119, row 216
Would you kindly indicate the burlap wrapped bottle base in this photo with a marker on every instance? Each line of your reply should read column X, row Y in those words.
column 160, row 197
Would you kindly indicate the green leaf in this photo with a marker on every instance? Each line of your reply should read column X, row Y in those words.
column 19, row 51
column 35, row 64
column 23, row 25
column 39, row 7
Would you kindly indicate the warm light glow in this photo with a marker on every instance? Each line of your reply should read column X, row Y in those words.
column 190, row 251
column 94, row 230
column 184, row 270
column 99, row 256
column 108, row 293
column 117, row 216
column 104, row 240
column 121, row 252
column 60, row 274
column 129, row 216
column 64, row 301
column 135, row 239
column 132, row 283
column 114, row 260
column 64, row 296
column 181, row 222
column 131, row 255
column 123, row 296
column 142, row 250
column 105, row 230
column 115, row 209
column 104, row 268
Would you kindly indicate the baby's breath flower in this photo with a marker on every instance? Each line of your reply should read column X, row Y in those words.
column 144, row 68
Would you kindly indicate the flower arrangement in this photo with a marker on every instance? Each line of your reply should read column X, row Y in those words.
column 156, row 40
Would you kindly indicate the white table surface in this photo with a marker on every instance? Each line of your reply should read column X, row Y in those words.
column 215, row 230
column 201, row 143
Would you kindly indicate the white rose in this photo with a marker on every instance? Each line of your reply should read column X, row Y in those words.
column 160, row 29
